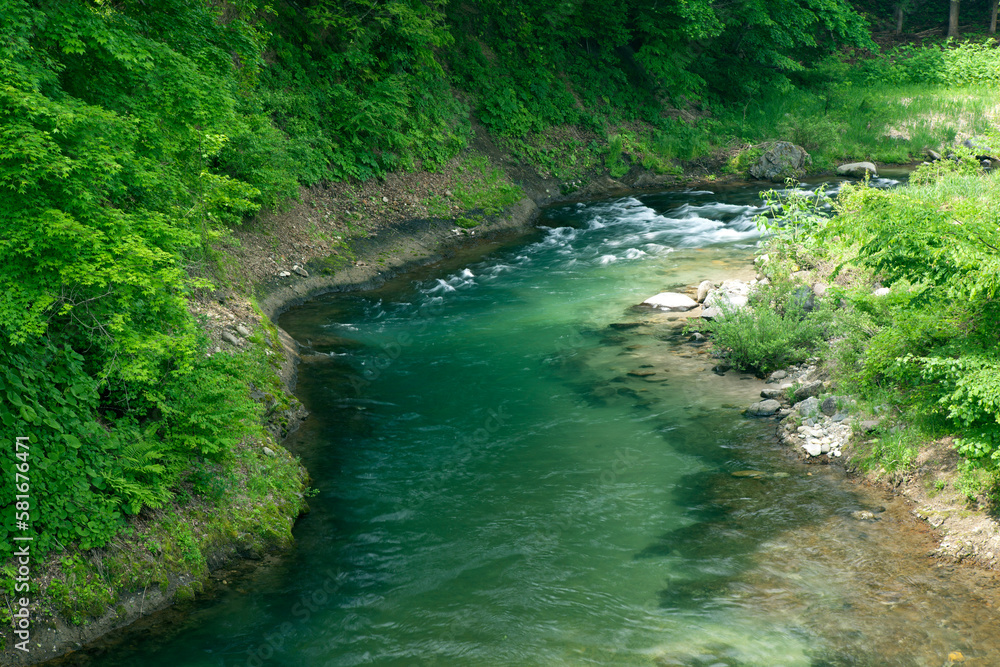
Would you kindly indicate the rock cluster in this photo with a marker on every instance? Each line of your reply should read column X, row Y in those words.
column 815, row 427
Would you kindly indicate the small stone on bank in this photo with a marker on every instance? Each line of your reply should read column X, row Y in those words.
column 242, row 330
column 269, row 452
column 299, row 270
column 230, row 338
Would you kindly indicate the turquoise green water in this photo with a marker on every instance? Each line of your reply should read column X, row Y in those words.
column 506, row 478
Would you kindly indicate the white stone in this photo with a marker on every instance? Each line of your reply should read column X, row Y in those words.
column 813, row 449
column 672, row 301
column 704, row 288
column 881, row 291
column 268, row 451
column 283, row 274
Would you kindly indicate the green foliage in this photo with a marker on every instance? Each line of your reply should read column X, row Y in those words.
column 950, row 63
column 961, row 161
column 613, row 161
column 931, row 348
column 761, row 339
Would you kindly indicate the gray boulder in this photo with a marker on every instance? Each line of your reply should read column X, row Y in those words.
column 779, row 161
column 772, row 392
column 808, row 389
column 857, row 169
column 829, row 406
column 808, row 408
column 764, row 408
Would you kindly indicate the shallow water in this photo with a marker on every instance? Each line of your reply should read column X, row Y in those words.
column 515, row 467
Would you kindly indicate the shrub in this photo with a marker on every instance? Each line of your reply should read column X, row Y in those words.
column 760, row 339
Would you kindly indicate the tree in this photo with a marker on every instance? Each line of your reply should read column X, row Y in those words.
column 953, row 19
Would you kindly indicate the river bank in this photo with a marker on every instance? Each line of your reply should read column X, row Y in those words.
column 366, row 261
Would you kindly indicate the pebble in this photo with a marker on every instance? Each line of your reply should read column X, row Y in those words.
column 242, row 330
column 269, row 452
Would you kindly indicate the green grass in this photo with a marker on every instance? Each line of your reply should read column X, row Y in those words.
column 882, row 123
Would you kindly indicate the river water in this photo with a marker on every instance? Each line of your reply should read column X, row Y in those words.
column 516, row 467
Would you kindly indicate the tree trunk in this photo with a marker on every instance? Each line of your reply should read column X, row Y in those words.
column 993, row 17
column 899, row 19
column 953, row 19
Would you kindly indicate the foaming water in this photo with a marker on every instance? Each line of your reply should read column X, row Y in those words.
column 515, row 467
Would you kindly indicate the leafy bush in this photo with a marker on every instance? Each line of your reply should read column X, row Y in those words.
column 760, row 339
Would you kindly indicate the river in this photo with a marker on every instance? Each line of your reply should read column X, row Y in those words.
column 514, row 466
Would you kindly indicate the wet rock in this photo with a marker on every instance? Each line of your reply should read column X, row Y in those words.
column 671, row 301
column 780, row 160
column 721, row 369
column 808, row 389
column 863, row 515
column 697, row 338
column 764, row 408
column 754, row 474
column 641, row 374
column 704, row 287
column 621, row 326
column 242, row 330
column 857, row 169
column 956, row 656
